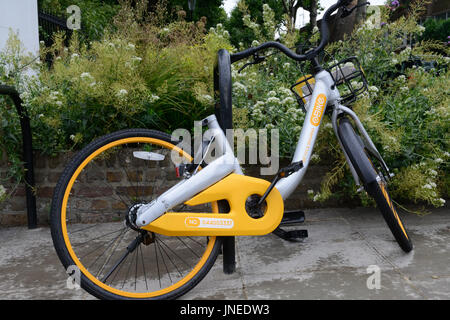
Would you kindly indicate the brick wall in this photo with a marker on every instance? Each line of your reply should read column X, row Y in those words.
column 49, row 169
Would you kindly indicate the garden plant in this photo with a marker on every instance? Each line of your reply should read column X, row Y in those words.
column 149, row 71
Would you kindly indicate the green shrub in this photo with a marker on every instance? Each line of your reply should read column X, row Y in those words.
column 144, row 75
column 150, row 73
column 436, row 29
column 406, row 114
column 96, row 15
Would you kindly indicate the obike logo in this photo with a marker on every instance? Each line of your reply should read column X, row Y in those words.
column 209, row 223
column 319, row 107
column 192, row 222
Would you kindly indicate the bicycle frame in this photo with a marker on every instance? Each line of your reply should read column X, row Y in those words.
column 208, row 184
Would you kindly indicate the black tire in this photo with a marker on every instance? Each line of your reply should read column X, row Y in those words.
column 66, row 250
column 372, row 182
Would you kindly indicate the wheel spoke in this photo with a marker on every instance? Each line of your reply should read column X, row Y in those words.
column 107, row 187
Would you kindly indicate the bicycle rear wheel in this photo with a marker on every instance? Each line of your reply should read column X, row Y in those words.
column 93, row 207
column 373, row 181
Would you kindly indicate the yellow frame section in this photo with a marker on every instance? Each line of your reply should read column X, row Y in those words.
column 235, row 189
column 74, row 257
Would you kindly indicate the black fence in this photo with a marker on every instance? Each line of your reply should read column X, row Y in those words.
column 27, row 148
column 50, row 23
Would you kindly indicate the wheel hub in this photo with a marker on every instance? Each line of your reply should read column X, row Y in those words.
column 131, row 216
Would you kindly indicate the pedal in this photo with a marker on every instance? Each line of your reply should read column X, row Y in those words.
column 292, row 217
column 292, row 236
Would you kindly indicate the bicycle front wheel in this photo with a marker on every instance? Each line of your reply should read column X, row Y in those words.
column 374, row 182
column 92, row 226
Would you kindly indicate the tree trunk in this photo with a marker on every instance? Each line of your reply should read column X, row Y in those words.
column 313, row 13
column 342, row 26
column 360, row 12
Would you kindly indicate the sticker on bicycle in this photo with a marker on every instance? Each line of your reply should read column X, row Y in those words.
column 319, row 107
column 209, row 223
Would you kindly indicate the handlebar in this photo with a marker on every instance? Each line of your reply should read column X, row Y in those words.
column 325, row 37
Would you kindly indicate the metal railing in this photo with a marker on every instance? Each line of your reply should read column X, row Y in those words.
column 49, row 23
column 27, row 148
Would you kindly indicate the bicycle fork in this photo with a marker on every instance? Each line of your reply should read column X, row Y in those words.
column 340, row 110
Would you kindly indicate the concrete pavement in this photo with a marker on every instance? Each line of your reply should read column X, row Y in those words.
column 331, row 264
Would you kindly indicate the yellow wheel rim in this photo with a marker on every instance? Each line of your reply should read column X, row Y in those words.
column 68, row 244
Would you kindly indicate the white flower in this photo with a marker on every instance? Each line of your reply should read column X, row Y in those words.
column 285, row 91
column 274, row 100
column 206, row 98
column 310, row 191
column 154, row 98
column 131, row 46
column 401, row 78
column 72, row 137
column 373, row 89
column 2, row 191
column 240, row 86
column 427, row 186
column 259, row 104
column 438, row 160
column 74, row 55
column 122, row 93
column 288, row 100
column 442, row 201
column 136, row 59
column 54, row 95
column 58, row 103
column 85, row 75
